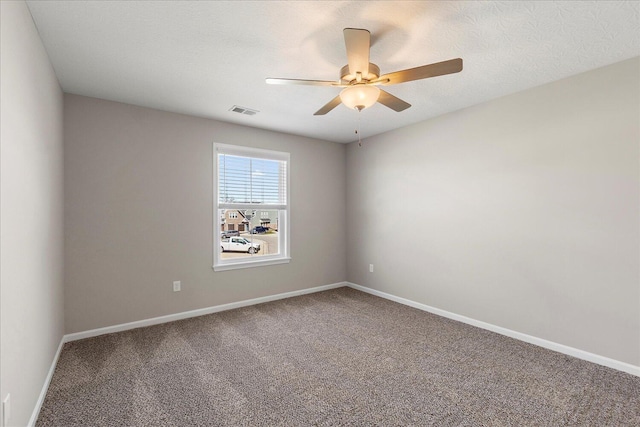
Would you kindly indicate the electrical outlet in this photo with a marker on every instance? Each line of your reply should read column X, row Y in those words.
column 370, row 268
column 176, row 286
column 6, row 410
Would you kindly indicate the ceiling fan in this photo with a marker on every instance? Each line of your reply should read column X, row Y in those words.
column 360, row 78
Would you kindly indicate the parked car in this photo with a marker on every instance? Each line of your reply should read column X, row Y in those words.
column 259, row 229
column 238, row 244
column 230, row 233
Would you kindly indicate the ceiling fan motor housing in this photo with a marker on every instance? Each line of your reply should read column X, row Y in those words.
column 347, row 78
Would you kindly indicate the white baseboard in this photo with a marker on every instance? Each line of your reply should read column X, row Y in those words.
column 560, row 348
column 195, row 313
column 45, row 386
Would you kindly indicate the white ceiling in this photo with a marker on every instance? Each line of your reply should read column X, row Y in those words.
column 201, row 58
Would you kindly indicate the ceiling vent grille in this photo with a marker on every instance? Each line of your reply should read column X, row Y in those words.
column 242, row 110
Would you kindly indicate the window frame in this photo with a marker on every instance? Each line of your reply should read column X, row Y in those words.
column 284, row 218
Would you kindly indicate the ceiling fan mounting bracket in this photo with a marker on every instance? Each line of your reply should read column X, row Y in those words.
column 347, row 78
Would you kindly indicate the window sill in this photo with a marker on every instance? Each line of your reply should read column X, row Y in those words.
column 249, row 264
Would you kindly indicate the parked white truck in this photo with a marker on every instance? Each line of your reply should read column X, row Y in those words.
column 238, row 244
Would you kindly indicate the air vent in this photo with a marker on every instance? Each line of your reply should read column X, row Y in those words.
column 242, row 110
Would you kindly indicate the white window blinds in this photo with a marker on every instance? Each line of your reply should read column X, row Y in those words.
column 250, row 181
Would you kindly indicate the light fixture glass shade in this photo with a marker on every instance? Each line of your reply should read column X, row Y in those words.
column 359, row 96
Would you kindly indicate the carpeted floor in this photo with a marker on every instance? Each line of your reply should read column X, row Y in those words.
column 340, row 357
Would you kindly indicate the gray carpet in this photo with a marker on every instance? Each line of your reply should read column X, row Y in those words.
column 340, row 357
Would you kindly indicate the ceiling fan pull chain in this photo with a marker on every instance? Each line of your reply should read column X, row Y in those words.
column 358, row 130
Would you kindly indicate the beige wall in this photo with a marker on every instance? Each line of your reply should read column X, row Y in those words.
column 521, row 212
column 31, row 217
column 138, row 214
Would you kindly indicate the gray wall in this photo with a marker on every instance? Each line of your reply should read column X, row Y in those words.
column 31, row 216
column 521, row 212
column 138, row 214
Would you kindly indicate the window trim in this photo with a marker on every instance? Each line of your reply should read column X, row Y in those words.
column 284, row 233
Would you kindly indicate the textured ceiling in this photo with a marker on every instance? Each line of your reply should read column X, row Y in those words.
column 201, row 58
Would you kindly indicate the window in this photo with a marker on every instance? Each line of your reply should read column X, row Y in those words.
column 250, row 185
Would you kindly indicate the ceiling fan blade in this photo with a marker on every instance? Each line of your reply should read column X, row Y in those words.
column 273, row 81
column 357, row 42
column 328, row 106
column 396, row 104
column 432, row 70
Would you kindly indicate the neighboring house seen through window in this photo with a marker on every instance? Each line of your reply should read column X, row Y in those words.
column 251, row 199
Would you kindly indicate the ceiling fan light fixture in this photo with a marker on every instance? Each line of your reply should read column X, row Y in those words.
column 359, row 96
